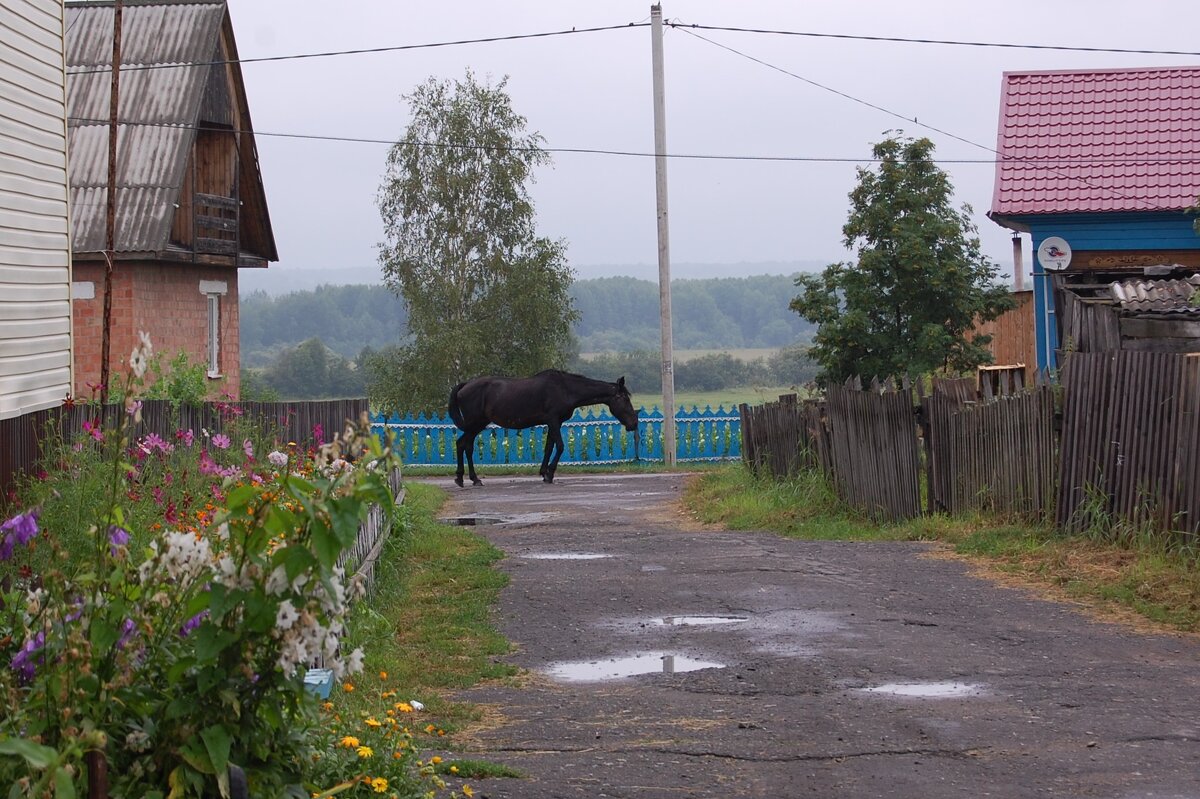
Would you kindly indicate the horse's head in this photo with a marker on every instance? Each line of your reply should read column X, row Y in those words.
column 622, row 408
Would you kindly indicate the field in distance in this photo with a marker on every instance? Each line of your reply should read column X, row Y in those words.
column 729, row 397
column 683, row 356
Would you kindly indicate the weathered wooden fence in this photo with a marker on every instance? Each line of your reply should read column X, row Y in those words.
column 22, row 437
column 995, row 452
column 588, row 437
column 1131, row 430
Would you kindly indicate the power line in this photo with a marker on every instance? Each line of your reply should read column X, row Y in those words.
column 1001, row 157
column 1060, row 162
column 366, row 50
column 950, row 42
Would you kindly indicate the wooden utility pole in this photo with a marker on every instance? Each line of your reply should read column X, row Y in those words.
column 664, row 239
column 110, row 213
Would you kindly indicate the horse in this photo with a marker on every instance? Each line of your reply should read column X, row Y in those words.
column 549, row 398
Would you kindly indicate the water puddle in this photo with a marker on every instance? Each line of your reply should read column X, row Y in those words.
column 564, row 556
column 630, row 666
column 470, row 521
column 696, row 621
column 927, row 690
column 653, row 567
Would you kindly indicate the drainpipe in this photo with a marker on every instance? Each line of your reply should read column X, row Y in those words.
column 1018, row 263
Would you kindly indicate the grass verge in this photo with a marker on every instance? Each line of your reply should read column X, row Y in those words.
column 426, row 625
column 1136, row 580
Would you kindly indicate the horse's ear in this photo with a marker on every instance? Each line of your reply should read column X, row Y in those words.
column 621, row 383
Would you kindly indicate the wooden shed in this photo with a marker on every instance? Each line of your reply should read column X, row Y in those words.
column 1101, row 168
column 191, row 208
column 35, row 266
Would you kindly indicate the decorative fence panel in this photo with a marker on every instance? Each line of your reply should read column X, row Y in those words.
column 588, row 437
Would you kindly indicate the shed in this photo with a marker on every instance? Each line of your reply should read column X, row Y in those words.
column 35, row 265
column 191, row 208
column 1106, row 162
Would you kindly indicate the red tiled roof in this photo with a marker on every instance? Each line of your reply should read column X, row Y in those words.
column 1098, row 140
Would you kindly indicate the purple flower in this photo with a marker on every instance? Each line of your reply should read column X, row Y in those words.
column 191, row 624
column 221, row 441
column 128, row 628
column 117, row 537
column 23, row 662
column 20, row 529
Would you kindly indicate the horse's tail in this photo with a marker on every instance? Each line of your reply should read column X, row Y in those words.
column 455, row 411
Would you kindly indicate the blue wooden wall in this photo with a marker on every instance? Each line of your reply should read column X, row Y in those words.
column 1124, row 231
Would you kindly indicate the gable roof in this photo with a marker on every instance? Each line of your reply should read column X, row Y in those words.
column 170, row 50
column 1098, row 140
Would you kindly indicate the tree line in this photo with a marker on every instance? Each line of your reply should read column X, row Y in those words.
column 616, row 314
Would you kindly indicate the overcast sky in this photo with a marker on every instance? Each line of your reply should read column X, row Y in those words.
column 593, row 90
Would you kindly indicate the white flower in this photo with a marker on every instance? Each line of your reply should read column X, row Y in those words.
column 277, row 459
column 138, row 362
column 286, row 616
column 415, row 705
column 277, row 583
column 147, row 347
column 355, row 664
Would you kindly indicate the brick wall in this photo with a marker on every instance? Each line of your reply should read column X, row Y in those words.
column 163, row 300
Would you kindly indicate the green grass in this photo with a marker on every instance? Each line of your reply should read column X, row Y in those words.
column 1134, row 577
column 729, row 397
column 426, row 624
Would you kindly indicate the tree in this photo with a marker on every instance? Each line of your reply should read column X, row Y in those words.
column 484, row 293
column 920, row 283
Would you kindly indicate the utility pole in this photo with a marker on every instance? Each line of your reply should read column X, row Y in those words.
column 664, row 239
column 110, row 213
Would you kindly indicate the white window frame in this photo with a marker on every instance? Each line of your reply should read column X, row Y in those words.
column 213, row 290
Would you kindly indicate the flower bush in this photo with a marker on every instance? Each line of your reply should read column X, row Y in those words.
column 169, row 654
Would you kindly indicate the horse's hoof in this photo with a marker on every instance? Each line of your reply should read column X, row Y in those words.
column 458, row 481
column 547, row 478
column 476, row 481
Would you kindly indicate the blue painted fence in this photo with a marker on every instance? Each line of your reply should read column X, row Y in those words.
column 589, row 437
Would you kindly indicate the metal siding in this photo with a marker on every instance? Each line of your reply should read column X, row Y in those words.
column 158, row 111
column 35, row 309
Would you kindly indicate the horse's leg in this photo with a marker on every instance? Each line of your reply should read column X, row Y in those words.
column 555, row 435
column 471, row 460
column 458, row 475
column 546, row 454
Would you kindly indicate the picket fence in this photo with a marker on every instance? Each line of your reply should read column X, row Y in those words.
column 588, row 437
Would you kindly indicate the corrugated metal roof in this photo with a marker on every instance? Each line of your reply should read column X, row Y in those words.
column 1098, row 140
column 151, row 158
column 1156, row 296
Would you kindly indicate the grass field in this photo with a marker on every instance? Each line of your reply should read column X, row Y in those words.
column 729, row 397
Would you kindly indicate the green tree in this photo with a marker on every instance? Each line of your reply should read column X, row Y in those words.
column 484, row 293
column 921, row 281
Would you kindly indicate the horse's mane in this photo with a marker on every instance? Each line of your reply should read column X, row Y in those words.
column 559, row 373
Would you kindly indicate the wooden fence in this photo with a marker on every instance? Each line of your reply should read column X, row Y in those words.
column 1131, row 430
column 994, row 452
column 589, row 436
column 22, row 437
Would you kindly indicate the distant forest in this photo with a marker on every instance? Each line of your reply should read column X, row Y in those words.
column 617, row 314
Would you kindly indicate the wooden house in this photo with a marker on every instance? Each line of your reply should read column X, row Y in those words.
column 190, row 205
column 1101, row 168
column 35, row 266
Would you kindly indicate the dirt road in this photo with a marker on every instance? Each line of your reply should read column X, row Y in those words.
column 787, row 668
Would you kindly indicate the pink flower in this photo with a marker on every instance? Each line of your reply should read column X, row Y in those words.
column 221, row 441
column 248, row 448
column 208, row 465
column 92, row 428
column 186, row 436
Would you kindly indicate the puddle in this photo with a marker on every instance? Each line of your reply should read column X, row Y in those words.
column 631, row 666
column 652, row 567
column 927, row 690
column 696, row 621
column 564, row 556
column 470, row 521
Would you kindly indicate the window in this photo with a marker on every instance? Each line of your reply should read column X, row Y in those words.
column 214, row 335
column 213, row 290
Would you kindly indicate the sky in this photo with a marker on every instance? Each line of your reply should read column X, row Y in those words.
column 827, row 100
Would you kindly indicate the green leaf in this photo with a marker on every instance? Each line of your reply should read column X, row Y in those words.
column 197, row 757
column 217, row 743
column 210, row 641
column 326, row 545
column 64, row 786
column 239, row 497
column 103, row 635
column 35, row 754
column 294, row 559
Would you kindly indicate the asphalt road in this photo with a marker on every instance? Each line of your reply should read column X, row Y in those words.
column 778, row 668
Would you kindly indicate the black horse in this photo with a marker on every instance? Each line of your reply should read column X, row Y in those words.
column 548, row 398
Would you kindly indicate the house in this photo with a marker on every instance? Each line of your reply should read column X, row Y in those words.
column 35, row 265
column 191, row 209
column 1101, row 168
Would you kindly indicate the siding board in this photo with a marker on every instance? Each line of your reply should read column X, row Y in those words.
column 35, row 277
